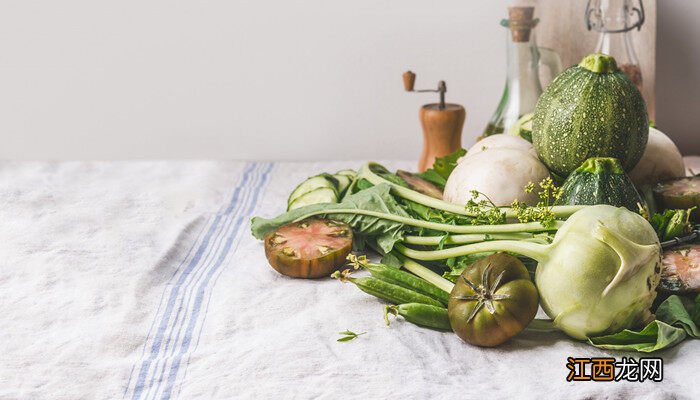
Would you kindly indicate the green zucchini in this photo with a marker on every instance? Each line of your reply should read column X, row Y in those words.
column 347, row 172
column 317, row 196
column 311, row 184
column 344, row 182
column 590, row 110
column 600, row 180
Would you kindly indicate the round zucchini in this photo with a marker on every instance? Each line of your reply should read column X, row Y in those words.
column 600, row 180
column 590, row 110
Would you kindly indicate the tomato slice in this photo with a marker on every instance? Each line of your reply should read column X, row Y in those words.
column 681, row 271
column 312, row 248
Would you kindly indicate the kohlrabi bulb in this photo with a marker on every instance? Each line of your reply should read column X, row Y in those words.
column 600, row 273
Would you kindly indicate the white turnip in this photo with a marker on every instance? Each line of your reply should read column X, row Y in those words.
column 500, row 174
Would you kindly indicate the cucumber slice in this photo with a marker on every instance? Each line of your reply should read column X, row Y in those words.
column 320, row 195
column 343, row 182
column 347, row 172
column 313, row 183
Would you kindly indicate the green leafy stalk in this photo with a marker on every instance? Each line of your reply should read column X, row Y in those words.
column 427, row 274
column 374, row 213
column 532, row 250
column 366, row 172
column 503, row 228
column 469, row 238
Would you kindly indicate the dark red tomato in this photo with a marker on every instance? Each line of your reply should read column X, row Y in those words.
column 312, row 248
column 492, row 301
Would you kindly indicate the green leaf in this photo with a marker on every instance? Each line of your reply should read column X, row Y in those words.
column 390, row 260
column 696, row 310
column 432, row 176
column 671, row 223
column 349, row 335
column 376, row 198
column 655, row 336
column 673, row 312
column 443, row 239
column 673, row 323
column 386, row 174
column 443, row 166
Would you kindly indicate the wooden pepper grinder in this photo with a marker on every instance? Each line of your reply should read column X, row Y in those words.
column 442, row 124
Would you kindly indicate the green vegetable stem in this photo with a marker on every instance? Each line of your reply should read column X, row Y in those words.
column 367, row 172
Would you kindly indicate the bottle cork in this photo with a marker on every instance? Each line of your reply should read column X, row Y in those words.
column 521, row 21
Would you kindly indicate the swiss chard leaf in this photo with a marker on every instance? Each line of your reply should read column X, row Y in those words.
column 377, row 198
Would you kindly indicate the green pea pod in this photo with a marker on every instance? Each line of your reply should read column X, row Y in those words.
column 421, row 314
column 392, row 293
column 408, row 281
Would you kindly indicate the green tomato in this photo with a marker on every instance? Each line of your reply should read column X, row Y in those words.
column 492, row 301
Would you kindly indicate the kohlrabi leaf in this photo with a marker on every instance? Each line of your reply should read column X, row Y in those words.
column 673, row 312
column 655, row 336
column 673, row 323
column 377, row 198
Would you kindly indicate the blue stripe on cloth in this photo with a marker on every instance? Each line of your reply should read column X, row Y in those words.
column 181, row 283
column 185, row 308
column 202, row 286
column 194, row 281
column 240, row 222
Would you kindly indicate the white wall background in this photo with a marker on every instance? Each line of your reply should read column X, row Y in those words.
column 249, row 79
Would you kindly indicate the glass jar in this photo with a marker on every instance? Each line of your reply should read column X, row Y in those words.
column 523, row 61
column 615, row 20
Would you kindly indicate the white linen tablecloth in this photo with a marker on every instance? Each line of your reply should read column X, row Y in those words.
column 140, row 280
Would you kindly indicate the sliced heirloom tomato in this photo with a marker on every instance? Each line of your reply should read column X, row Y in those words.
column 681, row 270
column 312, row 248
column 492, row 301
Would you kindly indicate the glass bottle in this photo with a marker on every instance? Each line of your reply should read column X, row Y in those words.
column 615, row 20
column 523, row 58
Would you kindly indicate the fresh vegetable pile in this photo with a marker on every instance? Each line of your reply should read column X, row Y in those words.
column 480, row 241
